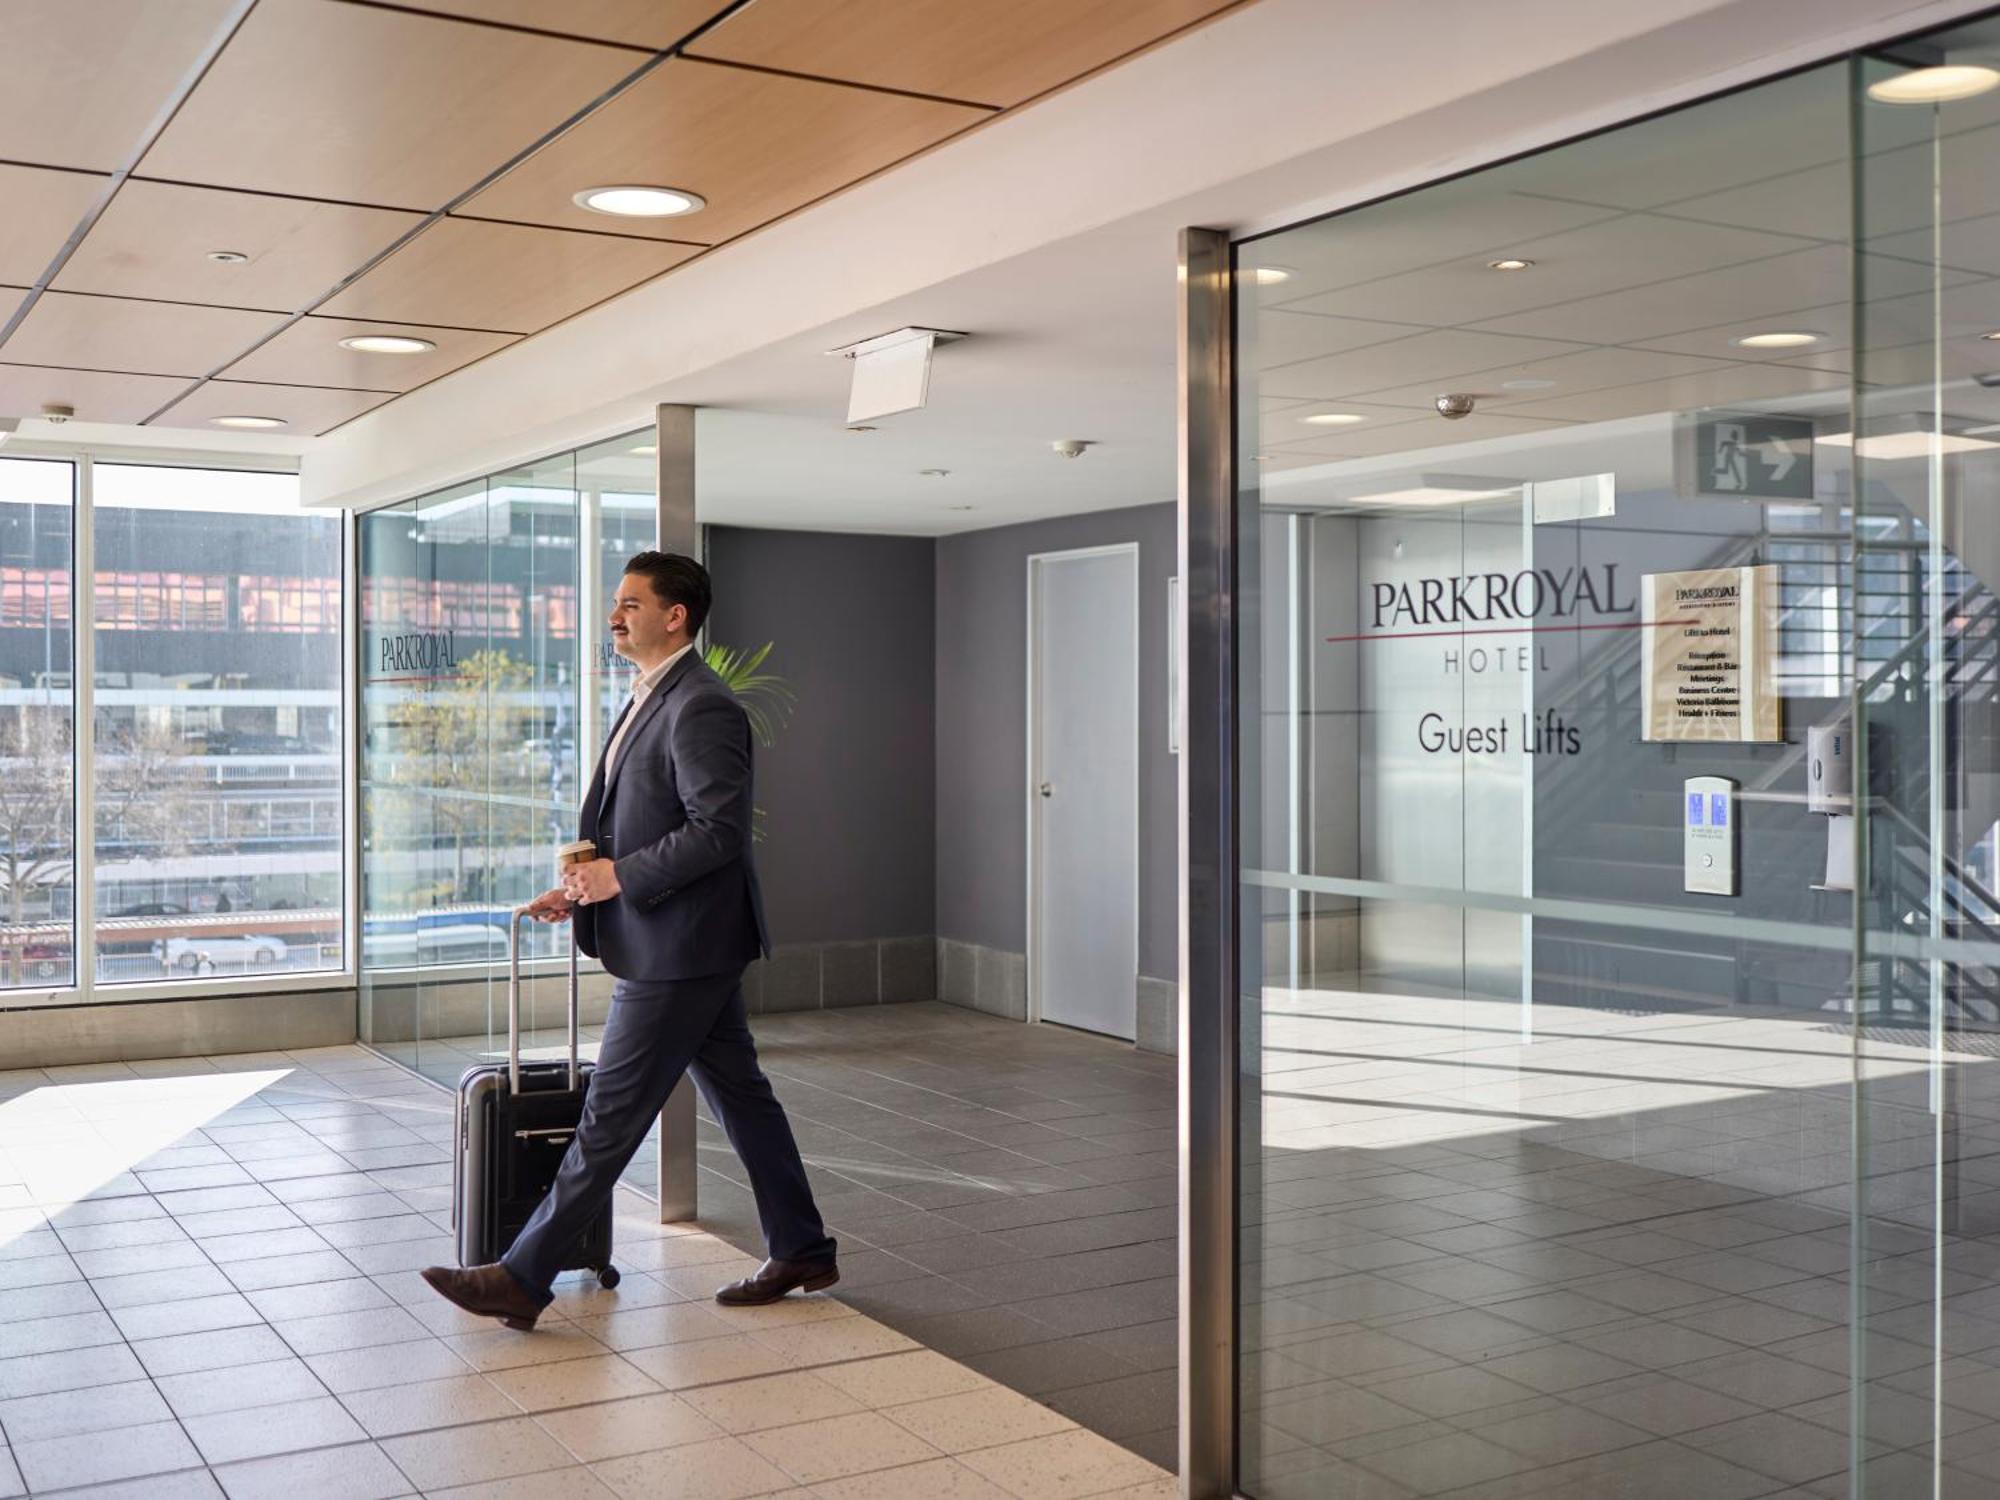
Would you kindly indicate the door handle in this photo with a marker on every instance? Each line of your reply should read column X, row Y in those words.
column 1048, row 790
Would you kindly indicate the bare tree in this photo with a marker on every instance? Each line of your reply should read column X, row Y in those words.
column 459, row 766
column 148, row 789
column 37, row 837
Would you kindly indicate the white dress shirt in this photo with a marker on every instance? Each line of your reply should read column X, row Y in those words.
column 642, row 689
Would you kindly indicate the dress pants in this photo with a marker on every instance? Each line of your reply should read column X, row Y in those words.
column 656, row 1031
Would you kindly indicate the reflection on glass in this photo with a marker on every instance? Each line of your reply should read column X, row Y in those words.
column 1584, row 1152
column 37, row 808
column 486, row 690
column 217, row 740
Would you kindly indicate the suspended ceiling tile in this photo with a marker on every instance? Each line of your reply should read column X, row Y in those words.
column 304, row 409
column 139, row 338
column 473, row 273
column 378, row 106
column 95, row 396
column 1272, row 336
column 1421, row 435
column 1749, row 295
column 97, row 74
column 1627, row 251
column 1592, row 369
column 652, row 24
column 309, row 353
column 983, row 52
column 755, row 145
column 1472, row 219
column 1790, row 125
column 154, row 240
column 1442, row 356
column 42, row 207
column 1726, row 385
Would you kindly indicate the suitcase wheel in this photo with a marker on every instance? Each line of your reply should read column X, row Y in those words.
column 608, row 1277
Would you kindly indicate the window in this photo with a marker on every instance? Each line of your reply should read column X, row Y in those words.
column 217, row 690
column 37, row 720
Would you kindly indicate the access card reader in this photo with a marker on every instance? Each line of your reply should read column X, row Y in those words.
column 1708, row 835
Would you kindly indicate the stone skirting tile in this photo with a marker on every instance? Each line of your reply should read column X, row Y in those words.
column 823, row 976
column 1159, row 1015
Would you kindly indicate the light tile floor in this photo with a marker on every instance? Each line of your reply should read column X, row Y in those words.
column 208, row 1286
column 1614, row 1261
column 1002, row 1193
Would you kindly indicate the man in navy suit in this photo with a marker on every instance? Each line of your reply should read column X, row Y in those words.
column 671, row 905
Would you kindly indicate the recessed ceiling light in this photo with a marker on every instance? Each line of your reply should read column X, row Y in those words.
column 1333, row 418
column 250, row 422
column 630, row 201
column 387, row 343
column 958, row 507
column 1995, row 335
column 1509, row 264
column 647, row 450
column 861, row 427
column 933, row 473
column 1782, row 339
column 1269, row 275
column 1934, row 85
column 228, row 257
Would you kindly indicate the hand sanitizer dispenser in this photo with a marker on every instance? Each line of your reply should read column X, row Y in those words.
column 1708, row 835
column 1830, row 790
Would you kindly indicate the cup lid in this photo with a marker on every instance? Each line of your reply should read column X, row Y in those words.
column 581, row 846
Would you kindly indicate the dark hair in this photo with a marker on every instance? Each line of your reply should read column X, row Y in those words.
column 677, row 579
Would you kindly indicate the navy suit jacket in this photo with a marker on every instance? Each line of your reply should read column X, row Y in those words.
column 675, row 817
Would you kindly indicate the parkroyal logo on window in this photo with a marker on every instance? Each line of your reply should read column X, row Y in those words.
column 413, row 655
column 1484, row 598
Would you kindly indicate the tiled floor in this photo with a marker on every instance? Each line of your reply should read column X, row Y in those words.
column 1002, row 1193
column 1614, row 1260
column 208, row 1286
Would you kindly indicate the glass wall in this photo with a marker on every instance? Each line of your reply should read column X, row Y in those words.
column 486, row 685
column 215, row 781
column 1621, row 969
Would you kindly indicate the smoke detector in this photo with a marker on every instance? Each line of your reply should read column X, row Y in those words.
column 56, row 411
column 1070, row 447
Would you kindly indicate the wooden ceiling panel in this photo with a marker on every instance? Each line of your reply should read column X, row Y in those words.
column 306, row 409
column 42, row 208
column 97, row 74
column 368, row 105
column 755, row 145
column 998, row 52
column 95, row 396
column 309, row 353
column 154, row 240
column 470, row 273
column 138, row 338
column 652, row 24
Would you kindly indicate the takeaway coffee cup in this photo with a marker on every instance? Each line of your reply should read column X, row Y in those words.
column 580, row 852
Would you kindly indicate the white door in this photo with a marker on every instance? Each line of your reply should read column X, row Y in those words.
column 1083, row 788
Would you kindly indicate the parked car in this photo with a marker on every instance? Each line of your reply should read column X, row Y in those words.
column 193, row 955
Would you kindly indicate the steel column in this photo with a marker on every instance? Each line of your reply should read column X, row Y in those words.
column 678, row 532
column 1208, row 896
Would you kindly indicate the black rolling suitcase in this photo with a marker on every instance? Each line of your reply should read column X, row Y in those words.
column 515, row 1122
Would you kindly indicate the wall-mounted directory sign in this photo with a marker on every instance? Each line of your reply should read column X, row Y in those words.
column 1709, row 640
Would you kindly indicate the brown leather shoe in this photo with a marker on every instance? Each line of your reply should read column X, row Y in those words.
column 489, row 1291
column 775, row 1278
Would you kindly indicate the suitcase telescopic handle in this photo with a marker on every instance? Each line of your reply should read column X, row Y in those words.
column 520, row 915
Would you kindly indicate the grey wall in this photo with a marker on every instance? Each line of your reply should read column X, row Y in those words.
column 847, row 790
column 982, row 602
